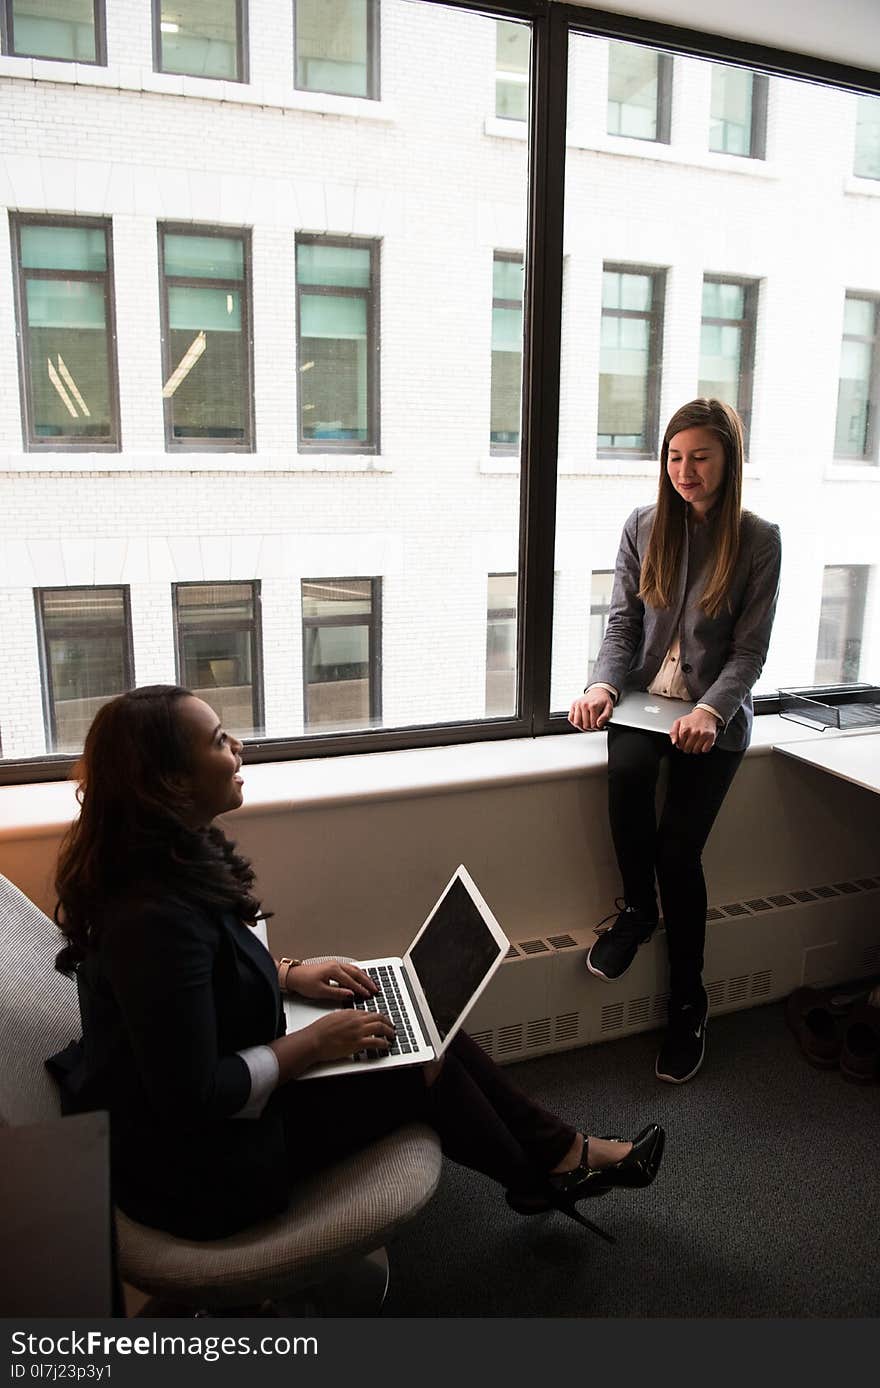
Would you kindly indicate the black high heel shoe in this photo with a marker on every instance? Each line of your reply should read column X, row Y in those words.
column 562, row 1190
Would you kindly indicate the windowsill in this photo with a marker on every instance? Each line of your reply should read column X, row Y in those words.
column 852, row 472
column 45, row 810
column 670, row 154
column 866, row 187
column 506, row 129
column 194, row 462
column 131, row 77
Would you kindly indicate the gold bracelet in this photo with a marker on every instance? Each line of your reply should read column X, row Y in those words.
column 291, row 964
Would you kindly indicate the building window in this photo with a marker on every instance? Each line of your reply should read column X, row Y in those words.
column 219, row 650
column 501, row 646
column 629, row 359
column 67, row 346
column 727, row 343
column 858, row 391
column 867, row 160
column 600, row 605
column 337, row 316
column 71, row 31
column 85, row 657
column 507, row 342
column 738, row 117
column 206, row 348
column 639, row 92
column 337, row 46
column 839, row 647
column 342, row 652
column 201, row 40
column 512, row 49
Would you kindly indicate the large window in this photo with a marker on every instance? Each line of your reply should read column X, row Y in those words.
column 629, row 358
column 512, row 46
column 501, row 646
column 858, row 392
column 337, row 319
column 738, row 117
column 639, row 92
column 507, row 331
column 219, row 650
column 66, row 333
column 206, row 355
column 85, row 656
column 727, row 343
column 201, row 38
column 841, row 624
column 337, row 46
column 867, row 156
column 342, row 652
column 70, row 31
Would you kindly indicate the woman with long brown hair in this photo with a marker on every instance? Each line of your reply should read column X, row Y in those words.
column 183, row 1028
column 692, row 607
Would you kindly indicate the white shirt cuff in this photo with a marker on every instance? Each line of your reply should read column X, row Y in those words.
column 262, row 1064
column 710, row 709
column 615, row 693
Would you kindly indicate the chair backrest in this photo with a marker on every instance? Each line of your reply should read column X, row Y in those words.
column 38, row 1006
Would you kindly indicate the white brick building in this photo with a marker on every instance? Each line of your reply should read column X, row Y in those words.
column 430, row 174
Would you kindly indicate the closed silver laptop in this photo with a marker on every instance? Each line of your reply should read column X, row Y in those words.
column 654, row 713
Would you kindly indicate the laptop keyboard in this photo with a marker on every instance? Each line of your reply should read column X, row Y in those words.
column 388, row 1000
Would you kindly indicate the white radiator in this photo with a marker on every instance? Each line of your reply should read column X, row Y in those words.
column 543, row 998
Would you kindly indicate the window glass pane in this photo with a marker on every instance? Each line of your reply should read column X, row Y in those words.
column 67, row 365
column 334, row 357
column 342, row 266
column 512, row 52
column 350, row 598
column 730, row 126
column 338, row 651
column 55, row 29
column 204, row 257
column 63, row 248
column 85, row 650
column 633, row 90
column 507, row 279
column 200, row 37
column 867, row 160
column 859, row 316
column 332, row 46
column 216, row 635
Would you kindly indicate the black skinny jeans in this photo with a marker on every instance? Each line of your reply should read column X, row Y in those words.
column 482, row 1119
column 672, row 849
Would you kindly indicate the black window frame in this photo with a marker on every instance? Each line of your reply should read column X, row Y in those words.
column 241, row 40
column 656, row 317
column 551, row 24
column 245, row 287
column 253, row 626
column 372, row 620
column 46, row 686
column 664, row 101
column 7, row 22
column 374, row 58
column 758, row 132
column 869, row 457
column 748, row 326
column 39, row 443
column 506, row 450
column 371, row 445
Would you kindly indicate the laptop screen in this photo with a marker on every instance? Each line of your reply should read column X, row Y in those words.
column 453, row 955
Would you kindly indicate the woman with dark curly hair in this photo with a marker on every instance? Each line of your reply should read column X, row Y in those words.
column 183, row 1025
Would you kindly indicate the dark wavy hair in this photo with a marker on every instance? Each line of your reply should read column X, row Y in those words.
column 132, row 836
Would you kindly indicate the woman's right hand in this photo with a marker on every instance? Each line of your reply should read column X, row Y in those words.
column 341, row 1034
column 592, row 710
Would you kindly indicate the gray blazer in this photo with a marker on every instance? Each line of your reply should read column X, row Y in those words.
column 722, row 656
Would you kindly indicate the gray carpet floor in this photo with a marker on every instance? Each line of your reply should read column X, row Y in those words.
column 767, row 1203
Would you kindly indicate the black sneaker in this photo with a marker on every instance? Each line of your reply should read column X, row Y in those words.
column 611, row 955
column 684, row 1044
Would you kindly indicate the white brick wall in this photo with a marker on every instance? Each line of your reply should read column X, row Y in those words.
column 433, row 514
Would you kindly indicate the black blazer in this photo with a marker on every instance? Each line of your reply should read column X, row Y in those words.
column 167, row 998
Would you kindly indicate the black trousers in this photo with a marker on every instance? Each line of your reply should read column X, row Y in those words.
column 672, row 848
column 482, row 1119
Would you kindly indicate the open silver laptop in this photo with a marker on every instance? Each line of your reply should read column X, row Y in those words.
column 429, row 992
column 636, row 708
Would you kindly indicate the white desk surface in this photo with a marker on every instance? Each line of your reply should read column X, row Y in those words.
column 853, row 757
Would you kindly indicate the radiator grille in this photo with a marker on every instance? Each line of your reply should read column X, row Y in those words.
column 567, row 1026
column 561, row 941
column 761, row 983
column 533, row 946
column 638, row 1011
column 612, row 1017
column 538, row 1033
column 509, row 1039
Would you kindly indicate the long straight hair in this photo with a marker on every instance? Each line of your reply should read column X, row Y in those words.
column 662, row 564
column 133, row 835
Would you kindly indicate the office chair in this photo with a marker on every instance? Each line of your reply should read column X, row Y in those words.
column 324, row 1255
